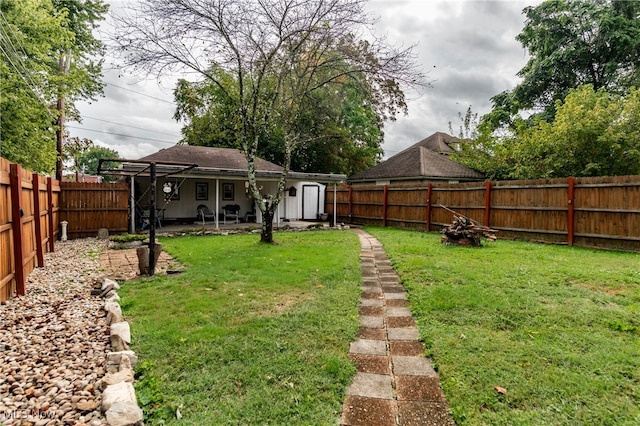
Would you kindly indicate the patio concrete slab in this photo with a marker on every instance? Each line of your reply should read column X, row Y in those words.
column 376, row 364
column 419, row 388
column 424, row 413
column 393, row 296
column 361, row 411
column 372, row 322
column 373, row 311
column 371, row 302
column 398, row 312
column 371, row 385
column 368, row 347
column 372, row 334
column 397, row 322
column 406, row 348
column 412, row 366
column 403, row 333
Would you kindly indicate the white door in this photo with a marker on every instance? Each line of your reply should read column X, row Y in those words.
column 310, row 202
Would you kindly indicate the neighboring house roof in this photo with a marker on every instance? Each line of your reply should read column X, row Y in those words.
column 208, row 157
column 421, row 161
column 439, row 142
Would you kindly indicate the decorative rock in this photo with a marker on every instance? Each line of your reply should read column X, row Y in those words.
column 114, row 312
column 120, row 392
column 53, row 341
column 87, row 406
column 114, row 360
column 121, row 330
column 110, row 283
column 115, row 378
column 124, row 414
column 103, row 234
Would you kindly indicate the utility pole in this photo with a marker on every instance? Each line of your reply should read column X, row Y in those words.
column 64, row 65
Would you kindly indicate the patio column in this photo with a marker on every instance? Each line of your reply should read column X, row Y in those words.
column 217, row 207
column 132, row 207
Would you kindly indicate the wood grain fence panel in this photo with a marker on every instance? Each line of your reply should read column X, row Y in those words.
column 29, row 246
column 600, row 212
column 87, row 207
column 7, row 272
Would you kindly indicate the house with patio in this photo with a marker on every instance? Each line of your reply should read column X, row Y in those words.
column 215, row 187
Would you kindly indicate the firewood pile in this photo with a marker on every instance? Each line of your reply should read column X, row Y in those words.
column 466, row 232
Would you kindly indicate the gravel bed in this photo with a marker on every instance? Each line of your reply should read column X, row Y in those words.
column 54, row 341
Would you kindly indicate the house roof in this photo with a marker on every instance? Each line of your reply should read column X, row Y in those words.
column 421, row 161
column 212, row 158
column 439, row 142
column 209, row 162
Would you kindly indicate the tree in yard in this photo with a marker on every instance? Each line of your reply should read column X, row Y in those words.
column 271, row 61
column 593, row 133
column 47, row 63
column 89, row 158
column 344, row 131
column 28, row 35
column 572, row 43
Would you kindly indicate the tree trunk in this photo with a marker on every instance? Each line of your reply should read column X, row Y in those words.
column 267, row 227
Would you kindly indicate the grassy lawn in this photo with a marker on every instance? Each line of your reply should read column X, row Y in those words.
column 557, row 327
column 250, row 333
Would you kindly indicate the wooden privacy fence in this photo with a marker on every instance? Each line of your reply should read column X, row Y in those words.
column 87, row 207
column 602, row 212
column 29, row 212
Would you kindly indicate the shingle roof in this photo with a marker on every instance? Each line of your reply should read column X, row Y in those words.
column 420, row 161
column 208, row 157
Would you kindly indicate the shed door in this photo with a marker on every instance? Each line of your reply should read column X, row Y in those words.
column 310, row 202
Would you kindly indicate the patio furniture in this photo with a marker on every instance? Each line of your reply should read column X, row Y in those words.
column 145, row 217
column 205, row 213
column 231, row 211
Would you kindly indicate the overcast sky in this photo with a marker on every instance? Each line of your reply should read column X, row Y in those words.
column 468, row 49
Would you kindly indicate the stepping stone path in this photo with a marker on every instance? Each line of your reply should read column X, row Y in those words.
column 395, row 383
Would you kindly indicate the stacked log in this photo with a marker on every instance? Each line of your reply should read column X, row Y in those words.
column 466, row 232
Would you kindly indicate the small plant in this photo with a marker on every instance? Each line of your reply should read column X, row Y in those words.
column 127, row 238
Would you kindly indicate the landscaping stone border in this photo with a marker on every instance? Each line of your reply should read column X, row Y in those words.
column 119, row 403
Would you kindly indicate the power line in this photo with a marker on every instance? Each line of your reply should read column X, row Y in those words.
column 133, row 127
column 142, row 94
column 121, row 134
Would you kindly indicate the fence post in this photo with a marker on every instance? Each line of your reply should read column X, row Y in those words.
column 487, row 203
column 570, row 210
column 385, row 196
column 36, row 216
column 429, row 192
column 50, row 214
column 350, row 203
column 16, row 225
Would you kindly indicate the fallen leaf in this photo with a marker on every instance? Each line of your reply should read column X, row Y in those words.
column 500, row 390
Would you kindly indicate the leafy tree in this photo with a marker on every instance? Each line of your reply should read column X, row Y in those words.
column 47, row 52
column 89, row 158
column 594, row 133
column 29, row 32
column 344, row 130
column 572, row 43
column 280, row 54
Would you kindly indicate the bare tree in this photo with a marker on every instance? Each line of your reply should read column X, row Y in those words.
column 279, row 53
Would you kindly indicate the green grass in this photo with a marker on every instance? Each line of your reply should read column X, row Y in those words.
column 557, row 327
column 250, row 333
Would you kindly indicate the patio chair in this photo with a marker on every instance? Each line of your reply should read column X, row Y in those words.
column 231, row 211
column 145, row 217
column 205, row 213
